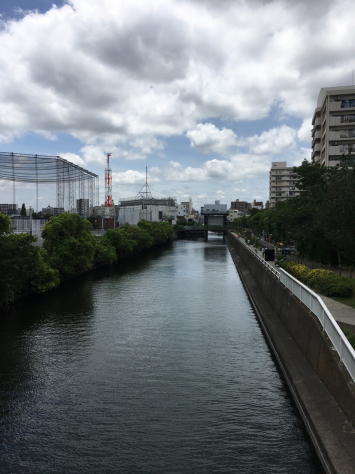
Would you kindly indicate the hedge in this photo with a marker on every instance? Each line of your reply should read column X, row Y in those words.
column 324, row 281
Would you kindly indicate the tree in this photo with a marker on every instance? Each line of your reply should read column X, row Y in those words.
column 120, row 240
column 5, row 224
column 23, row 210
column 23, row 268
column 69, row 243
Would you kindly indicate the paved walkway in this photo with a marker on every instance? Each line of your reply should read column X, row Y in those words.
column 342, row 313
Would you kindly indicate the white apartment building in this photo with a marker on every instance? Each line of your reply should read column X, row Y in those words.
column 333, row 131
column 282, row 182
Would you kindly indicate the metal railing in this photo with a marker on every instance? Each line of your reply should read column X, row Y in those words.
column 329, row 325
column 316, row 305
column 267, row 265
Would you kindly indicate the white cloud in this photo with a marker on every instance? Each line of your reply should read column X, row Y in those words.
column 131, row 69
column 133, row 177
column 73, row 158
column 207, row 138
column 274, row 141
column 304, row 133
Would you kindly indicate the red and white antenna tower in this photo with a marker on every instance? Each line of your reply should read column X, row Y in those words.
column 108, row 183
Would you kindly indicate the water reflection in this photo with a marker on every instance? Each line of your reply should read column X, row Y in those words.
column 157, row 365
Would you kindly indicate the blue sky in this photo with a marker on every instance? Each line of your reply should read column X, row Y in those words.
column 206, row 94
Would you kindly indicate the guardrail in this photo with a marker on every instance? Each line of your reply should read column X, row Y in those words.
column 267, row 265
column 316, row 305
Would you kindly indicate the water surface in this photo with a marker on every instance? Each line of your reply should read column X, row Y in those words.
column 155, row 366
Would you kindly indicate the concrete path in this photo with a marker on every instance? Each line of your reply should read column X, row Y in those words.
column 342, row 313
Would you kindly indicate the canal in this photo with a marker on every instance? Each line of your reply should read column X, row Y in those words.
column 155, row 366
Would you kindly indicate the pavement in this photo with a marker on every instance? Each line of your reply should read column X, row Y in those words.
column 342, row 313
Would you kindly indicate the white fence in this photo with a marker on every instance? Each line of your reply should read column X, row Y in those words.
column 254, row 252
column 330, row 326
column 317, row 307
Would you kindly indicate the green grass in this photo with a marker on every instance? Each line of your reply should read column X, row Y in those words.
column 350, row 301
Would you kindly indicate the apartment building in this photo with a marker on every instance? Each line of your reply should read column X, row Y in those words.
column 257, row 205
column 83, row 207
column 333, row 122
column 9, row 209
column 240, row 205
column 282, row 182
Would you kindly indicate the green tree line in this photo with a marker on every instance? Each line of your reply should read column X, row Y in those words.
column 320, row 221
column 69, row 248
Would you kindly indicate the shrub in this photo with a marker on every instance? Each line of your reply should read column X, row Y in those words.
column 324, row 280
column 329, row 283
column 298, row 270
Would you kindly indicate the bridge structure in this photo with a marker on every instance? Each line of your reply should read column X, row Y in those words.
column 200, row 231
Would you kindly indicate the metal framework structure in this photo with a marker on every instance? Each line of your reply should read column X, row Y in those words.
column 108, row 183
column 145, row 192
column 41, row 169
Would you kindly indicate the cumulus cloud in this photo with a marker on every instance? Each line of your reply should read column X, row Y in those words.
column 304, row 133
column 274, row 141
column 73, row 158
column 133, row 177
column 130, row 69
column 207, row 138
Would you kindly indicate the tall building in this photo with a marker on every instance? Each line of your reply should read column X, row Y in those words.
column 82, row 207
column 333, row 131
column 282, row 182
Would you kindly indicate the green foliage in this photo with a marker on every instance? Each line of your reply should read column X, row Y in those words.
column 104, row 253
column 69, row 243
column 68, row 248
column 320, row 221
column 352, row 340
column 323, row 280
column 120, row 240
column 23, row 268
column 5, row 224
column 23, row 210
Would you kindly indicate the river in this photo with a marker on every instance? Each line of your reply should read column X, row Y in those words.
column 157, row 365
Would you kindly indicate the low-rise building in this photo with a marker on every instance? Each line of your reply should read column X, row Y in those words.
column 9, row 209
column 215, row 214
column 151, row 209
column 25, row 224
column 240, row 205
column 235, row 214
column 257, row 205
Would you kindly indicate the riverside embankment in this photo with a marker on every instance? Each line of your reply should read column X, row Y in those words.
column 321, row 386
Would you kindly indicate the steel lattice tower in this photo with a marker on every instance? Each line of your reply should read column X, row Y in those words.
column 108, row 183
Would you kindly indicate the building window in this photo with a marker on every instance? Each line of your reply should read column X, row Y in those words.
column 346, row 148
column 347, row 133
column 347, row 118
column 160, row 214
column 345, row 104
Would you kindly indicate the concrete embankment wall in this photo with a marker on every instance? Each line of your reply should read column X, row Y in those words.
column 322, row 387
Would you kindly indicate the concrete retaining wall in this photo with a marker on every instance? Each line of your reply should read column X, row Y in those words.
column 306, row 330
column 288, row 322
